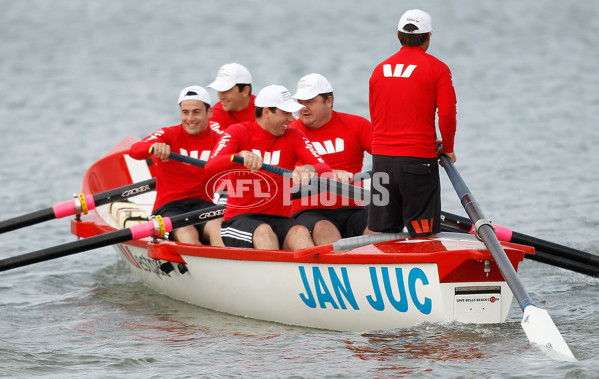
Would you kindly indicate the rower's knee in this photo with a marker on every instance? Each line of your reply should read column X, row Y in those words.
column 297, row 238
column 212, row 232
column 325, row 232
column 187, row 234
column 265, row 238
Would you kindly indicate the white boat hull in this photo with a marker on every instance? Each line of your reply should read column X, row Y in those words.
column 352, row 297
column 378, row 286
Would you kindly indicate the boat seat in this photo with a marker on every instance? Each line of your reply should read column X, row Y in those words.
column 127, row 214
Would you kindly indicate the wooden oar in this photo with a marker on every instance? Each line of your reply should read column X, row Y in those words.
column 157, row 226
column 547, row 252
column 80, row 204
column 536, row 322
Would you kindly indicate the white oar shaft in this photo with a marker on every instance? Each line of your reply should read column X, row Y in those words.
column 358, row 241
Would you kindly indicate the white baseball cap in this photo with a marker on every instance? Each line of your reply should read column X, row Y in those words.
column 311, row 86
column 277, row 96
column 416, row 17
column 195, row 93
column 229, row 75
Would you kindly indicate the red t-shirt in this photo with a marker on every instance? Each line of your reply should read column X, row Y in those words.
column 260, row 192
column 221, row 119
column 177, row 180
column 341, row 142
column 404, row 92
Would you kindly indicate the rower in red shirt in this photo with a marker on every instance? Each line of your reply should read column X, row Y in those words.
column 181, row 187
column 234, row 87
column 405, row 91
column 341, row 140
column 258, row 212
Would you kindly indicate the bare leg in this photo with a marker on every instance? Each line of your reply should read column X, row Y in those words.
column 212, row 232
column 368, row 231
column 187, row 234
column 297, row 238
column 325, row 232
column 265, row 238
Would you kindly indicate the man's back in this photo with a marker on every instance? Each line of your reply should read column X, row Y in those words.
column 405, row 91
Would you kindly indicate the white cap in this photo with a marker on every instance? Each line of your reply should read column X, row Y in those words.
column 229, row 75
column 195, row 93
column 419, row 18
column 311, row 86
column 277, row 96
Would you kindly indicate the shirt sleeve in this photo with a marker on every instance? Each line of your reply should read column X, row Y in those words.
column 141, row 149
column 446, row 104
column 220, row 158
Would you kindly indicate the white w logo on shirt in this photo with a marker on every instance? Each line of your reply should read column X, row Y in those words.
column 269, row 158
column 194, row 154
column 399, row 71
column 328, row 147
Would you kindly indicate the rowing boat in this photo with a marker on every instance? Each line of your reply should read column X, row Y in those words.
column 374, row 285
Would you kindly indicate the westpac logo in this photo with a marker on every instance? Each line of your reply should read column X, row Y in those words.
column 328, row 147
column 399, row 71
column 269, row 157
column 196, row 154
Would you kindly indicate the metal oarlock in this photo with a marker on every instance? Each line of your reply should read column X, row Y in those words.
column 478, row 224
column 80, row 205
column 159, row 228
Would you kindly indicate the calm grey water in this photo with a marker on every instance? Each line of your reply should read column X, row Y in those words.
column 77, row 76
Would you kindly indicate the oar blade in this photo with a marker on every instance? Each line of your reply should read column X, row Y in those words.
column 540, row 329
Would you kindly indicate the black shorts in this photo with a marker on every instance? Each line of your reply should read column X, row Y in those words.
column 411, row 199
column 177, row 207
column 239, row 230
column 350, row 221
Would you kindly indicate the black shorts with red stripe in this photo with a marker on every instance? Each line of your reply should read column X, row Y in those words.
column 407, row 191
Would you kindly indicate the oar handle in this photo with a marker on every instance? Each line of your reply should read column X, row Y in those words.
column 183, row 158
column 329, row 185
column 186, row 159
column 265, row 167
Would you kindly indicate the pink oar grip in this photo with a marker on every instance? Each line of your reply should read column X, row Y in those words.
column 147, row 228
column 503, row 234
column 142, row 230
column 168, row 225
column 91, row 203
column 69, row 208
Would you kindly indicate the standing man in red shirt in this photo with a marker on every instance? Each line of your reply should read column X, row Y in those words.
column 258, row 212
column 181, row 187
column 234, row 86
column 341, row 140
column 405, row 91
